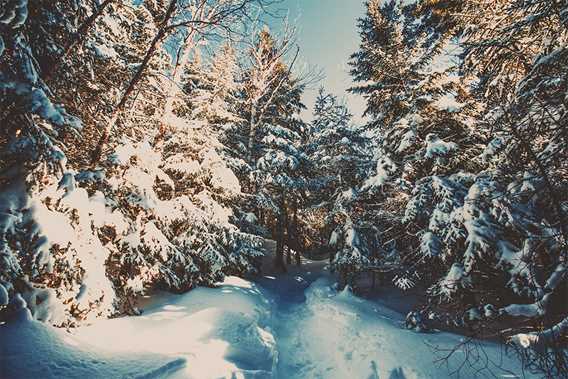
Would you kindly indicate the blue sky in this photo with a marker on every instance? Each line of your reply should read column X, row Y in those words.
column 327, row 35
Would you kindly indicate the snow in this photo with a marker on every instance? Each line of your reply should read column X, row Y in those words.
column 437, row 147
column 295, row 325
column 52, row 228
column 323, row 333
column 222, row 177
column 385, row 167
column 406, row 141
column 3, row 295
column 105, row 52
column 30, row 349
column 492, row 149
column 448, row 102
column 333, row 239
column 21, row 8
column 250, row 218
column 430, row 244
column 208, row 333
column 44, row 305
column 180, row 163
column 454, row 279
column 218, row 332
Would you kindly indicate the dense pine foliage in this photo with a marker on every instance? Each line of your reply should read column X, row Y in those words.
column 467, row 107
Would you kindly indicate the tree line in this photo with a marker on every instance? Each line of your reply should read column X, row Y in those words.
column 140, row 143
column 466, row 102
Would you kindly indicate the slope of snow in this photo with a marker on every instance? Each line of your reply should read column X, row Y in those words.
column 321, row 333
column 32, row 350
column 208, row 333
column 290, row 326
column 220, row 332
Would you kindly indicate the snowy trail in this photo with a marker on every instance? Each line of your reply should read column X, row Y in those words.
column 324, row 334
column 287, row 326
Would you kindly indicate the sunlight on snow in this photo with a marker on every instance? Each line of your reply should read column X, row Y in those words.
column 216, row 331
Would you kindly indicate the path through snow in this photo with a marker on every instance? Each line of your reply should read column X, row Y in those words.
column 291, row 326
column 324, row 334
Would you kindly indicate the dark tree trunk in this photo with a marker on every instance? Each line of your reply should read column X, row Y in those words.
column 298, row 245
column 279, row 259
column 288, row 236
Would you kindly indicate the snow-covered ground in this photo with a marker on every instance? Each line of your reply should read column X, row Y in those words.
column 291, row 326
column 321, row 333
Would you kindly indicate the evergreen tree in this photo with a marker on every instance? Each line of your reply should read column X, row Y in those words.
column 271, row 102
column 340, row 155
column 472, row 195
column 80, row 239
column 213, row 94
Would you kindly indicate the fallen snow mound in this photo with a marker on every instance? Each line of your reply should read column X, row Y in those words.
column 208, row 333
column 31, row 349
column 227, row 332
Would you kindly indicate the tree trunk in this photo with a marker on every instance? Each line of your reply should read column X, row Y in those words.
column 288, row 238
column 252, row 133
column 298, row 246
column 279, row 259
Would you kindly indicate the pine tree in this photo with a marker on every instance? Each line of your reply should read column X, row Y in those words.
column 340, row 155
column 271, row 102
column 214, row 97
column 470, row 155
column 80, row 240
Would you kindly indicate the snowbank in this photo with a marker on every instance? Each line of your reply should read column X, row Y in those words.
column 31, row 350
column 208, row 333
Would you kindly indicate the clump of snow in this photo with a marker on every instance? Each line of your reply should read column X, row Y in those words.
column 448, row 102
column 406, row 141
column 222, row 177
column 492, row 149
column 334, row 238
column 44, row 305
column 105, row 52
column 348, row 195
column 250, row 218
column 384, row 169
column 180, row 163
column 525, row 340
column 436, row 147
column 455, row 279
column 53, row 227
column 430, row 244
column 3, row 295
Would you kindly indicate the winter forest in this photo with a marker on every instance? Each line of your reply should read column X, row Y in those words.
column 184, row 195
